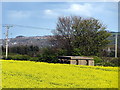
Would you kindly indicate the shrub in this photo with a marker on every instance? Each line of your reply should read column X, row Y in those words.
column 51, row 58
column 34, row 59
column 115, row 61
column 61, row 52
column 97, row 60
column 21, row 57
column 107, row 64
column 48, row 55
column 111, row 61
column 17, row 57
column 76, row 52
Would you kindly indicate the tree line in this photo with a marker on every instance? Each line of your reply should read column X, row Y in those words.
column 23, row 50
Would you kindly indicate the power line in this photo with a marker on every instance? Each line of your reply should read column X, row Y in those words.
column 24, row 26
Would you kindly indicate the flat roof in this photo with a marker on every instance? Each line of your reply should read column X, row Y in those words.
column 75, row 57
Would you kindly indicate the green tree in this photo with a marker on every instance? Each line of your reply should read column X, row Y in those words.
column 87, row 35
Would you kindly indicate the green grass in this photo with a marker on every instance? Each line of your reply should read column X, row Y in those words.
column 27, row 74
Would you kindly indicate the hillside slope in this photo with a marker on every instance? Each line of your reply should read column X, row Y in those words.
column 27, row 74
column 43, row 41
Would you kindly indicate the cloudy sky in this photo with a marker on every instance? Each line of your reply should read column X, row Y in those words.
column 45, row 15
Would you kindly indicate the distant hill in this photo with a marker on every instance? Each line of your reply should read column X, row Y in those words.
column 20, row 36
column 43, row 41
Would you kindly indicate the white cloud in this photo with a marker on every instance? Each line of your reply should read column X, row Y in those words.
column 51, row 13
column 19, row 14
column 48, row 11
column 84, row 9
column 76, row 9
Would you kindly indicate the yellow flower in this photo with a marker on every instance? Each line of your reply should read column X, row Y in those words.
column 27, row 74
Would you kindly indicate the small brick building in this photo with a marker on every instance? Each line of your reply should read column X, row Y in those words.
column 76, row 60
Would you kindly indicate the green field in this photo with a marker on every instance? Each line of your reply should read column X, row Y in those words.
column 28, row 74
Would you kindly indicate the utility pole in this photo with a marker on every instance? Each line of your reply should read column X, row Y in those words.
column 7, row 32
column 116, row 45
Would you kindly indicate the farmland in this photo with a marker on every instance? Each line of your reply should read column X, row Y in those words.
column 28, row 74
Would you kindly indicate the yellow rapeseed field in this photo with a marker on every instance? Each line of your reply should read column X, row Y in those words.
column 29, row 74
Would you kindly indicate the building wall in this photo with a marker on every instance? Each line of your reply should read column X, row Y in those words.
column 82, row 62
column 73, row 62
column 91, row 63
